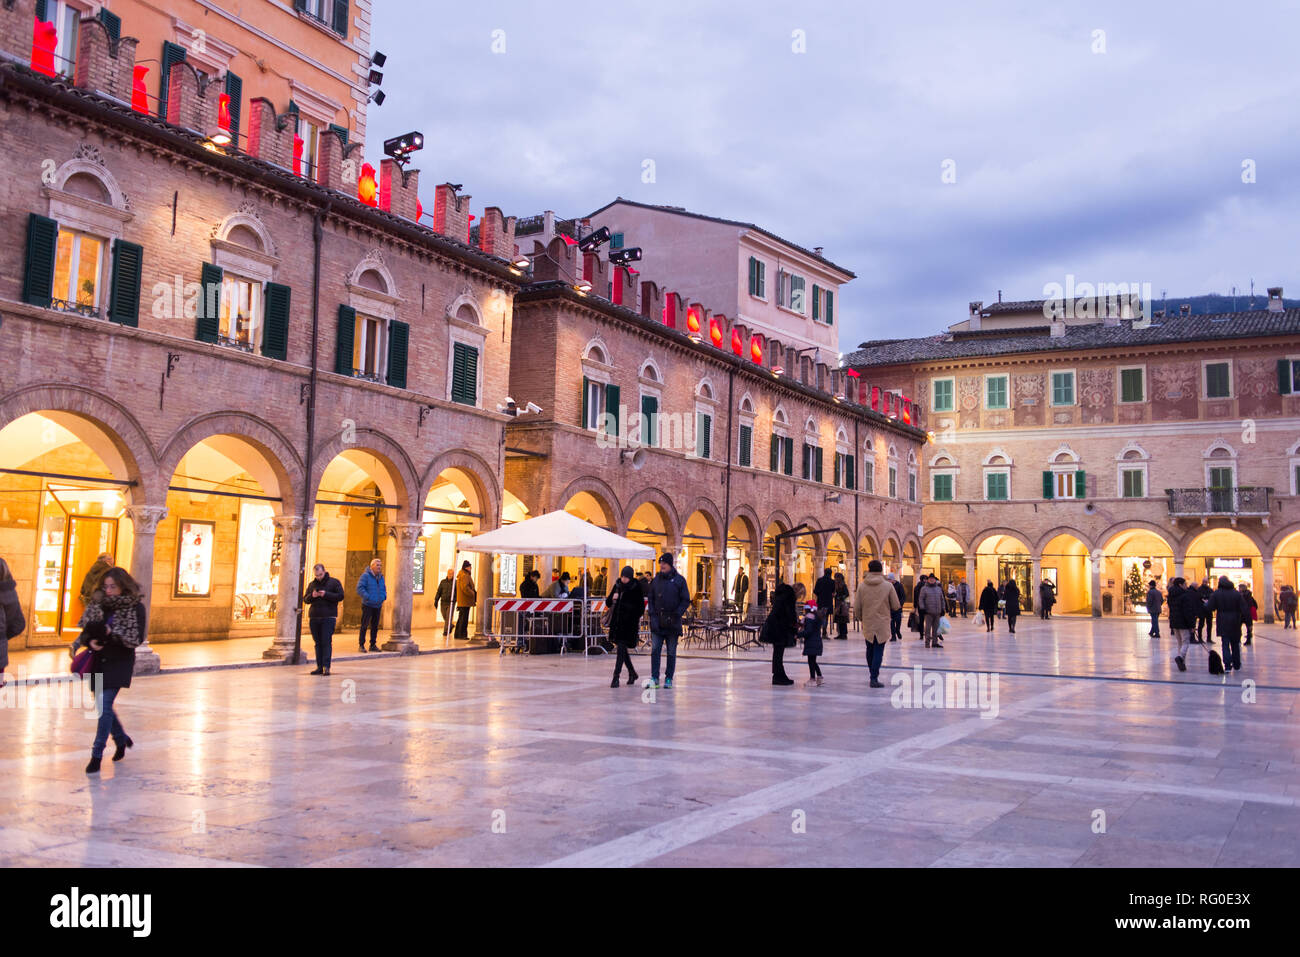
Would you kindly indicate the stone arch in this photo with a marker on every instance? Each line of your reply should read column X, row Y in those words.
column 1071, row 456
column 597, row 489
column 133, row 452
column 711, row 513
column 1117, row 528
column 1196, row 531
column 85, row 166
column 933, row 533
column 401, row 470
column 667, row 511
column 873, row 538
column 597, row 343
column 994, row 532
column 1216, row 445
column 652, row 368
column 779, row 416
column 379, row 268
column 704, row 390
column 914, row 540
column 278, row 454
column 1047, row 536
column 481, row 475
column 777, row 517
column 746, row 406
column 943, row 459
column 1280, row 536
column 747, row 514
column 246, row 220
column 998, row 453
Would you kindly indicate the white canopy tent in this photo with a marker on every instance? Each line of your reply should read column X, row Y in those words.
column 557, row 534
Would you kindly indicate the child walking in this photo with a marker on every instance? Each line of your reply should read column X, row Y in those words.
column 811, row 632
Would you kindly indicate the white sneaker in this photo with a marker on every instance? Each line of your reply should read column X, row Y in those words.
column 819, row 681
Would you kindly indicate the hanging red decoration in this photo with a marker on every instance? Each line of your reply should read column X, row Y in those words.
column 139, row 95
column 297, row 155
column 223, row 111
column 44, row 40
column 692, row 322
column 756, row 349
column 367, row 188
column 715, row 333
column 737, row 346
column 419, row 209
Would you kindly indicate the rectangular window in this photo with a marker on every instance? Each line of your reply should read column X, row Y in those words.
column 817, row 303
column 1062, row 388
column 241, row 311
column 1288, row 376
column 943, row 395
column 703, row 435
column 649, row 420
column 310, row 148
column 830, row 308
column 996, row 392
column 746, row 445
column 996, row 486
column 366, row 348
column 616, row 241
column 1132, row 388
column 893, row 482
column 78, row 272
column 797, row 294
column 464, row 374
column 1133, row 484
column 593, row 405
column 66, row 20
column 869, row 476
column 911, row 486
column 1218, row 380
column 942, row 488
column 1064, row 484
column 757, row 278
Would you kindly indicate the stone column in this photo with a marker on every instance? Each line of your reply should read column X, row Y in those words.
column 718, row 586
column 1095, row 563
column 1035, row 578
column 1266, row 600
column 970, row 579
column 399, row 638
column 144, row 522
column 483, row 581
column 755, row 566
column 288, row 603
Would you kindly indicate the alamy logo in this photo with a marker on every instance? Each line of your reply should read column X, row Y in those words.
column 75, row 910
column 1120, row 300
column 938, row 690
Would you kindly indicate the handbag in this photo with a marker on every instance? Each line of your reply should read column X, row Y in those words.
column 913, row 623
column 1254, row 613
column 83, row 662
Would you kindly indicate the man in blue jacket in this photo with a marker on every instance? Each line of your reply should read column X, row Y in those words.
column 373, row 593
column 666, row 601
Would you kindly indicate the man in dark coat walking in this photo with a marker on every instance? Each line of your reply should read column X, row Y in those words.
column 627, row 604
column 1012, row 592
column 1155, row 602
column 667, row 601
column 895, row 614
column 824, row 589
column 989, row 605
column 1231, row 612
column 323, row 595
column 445, row 595
column 1206, row 624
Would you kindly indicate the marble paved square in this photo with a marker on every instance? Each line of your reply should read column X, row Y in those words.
column 1100, row 753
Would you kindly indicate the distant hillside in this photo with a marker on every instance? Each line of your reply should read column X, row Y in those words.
column 1215, row 303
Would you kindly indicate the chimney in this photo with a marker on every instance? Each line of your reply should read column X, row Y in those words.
column 975, row 315
column 821, row 376
column 548, row 226
column 652, row 300
column 818, row 250
column 266, row 139
column 556, row 261
column 451, row 213
column 330, row 162
column 672, row 302
column 1185, row 309
column 184, row 103
column 1274, row 298
column 102, row 65
column 17, row 30
column 497, row 233
column 399, row 189
column 1058, row 328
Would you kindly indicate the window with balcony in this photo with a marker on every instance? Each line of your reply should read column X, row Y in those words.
column 241, row 311
column 367, row 347
column 78, row 272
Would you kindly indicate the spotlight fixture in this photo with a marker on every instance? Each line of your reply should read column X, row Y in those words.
column 521, row 262
column 401, row 147
column 582, row 286
column 378, row 96
column 588, row 243
column 621, row 257
column 378, row 59
column 376, row 78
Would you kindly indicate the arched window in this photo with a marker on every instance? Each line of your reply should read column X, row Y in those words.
column 89, row 213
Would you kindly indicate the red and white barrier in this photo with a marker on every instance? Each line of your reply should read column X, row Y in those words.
column 534, row 604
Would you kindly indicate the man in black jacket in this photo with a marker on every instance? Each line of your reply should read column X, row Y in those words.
column 1206, row 621
column 667, row 600
column 824, row 589
column 896, row 616
column 1232, row 612
column 1155, row 602
column 1185, row 611
column 323, row 595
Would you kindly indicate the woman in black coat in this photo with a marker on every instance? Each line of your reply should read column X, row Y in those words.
column 113, row 626
column 1231, row 612
column 989, row 605
column 782, row 626
column 323, row 595
column 1012, row 596
column 12, row 621
column 627, row 604
column 841, row 607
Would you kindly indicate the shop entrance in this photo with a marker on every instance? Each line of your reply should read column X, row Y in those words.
column 1017, row 568
column 70, row 544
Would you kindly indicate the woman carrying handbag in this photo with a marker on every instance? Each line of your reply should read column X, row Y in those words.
column 781, row 627
column 113, row 626
column 626, row 604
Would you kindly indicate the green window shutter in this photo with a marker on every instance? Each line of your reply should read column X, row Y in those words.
column 275, row 326
column 817, row 302
column 649, row 415
column 399, row 339
column 708, row 436
column 762, row 278
column 612, row 399
column 300, row 4
column 171, row 55
column 340, row 19
column 124, row 294
column 751, row 275
column 41, row 13
column 746, row 445
column 1049, row 485
column 774, row 452
column 464, row 375
column 837, row 470
column 830, row 307
column 235, row 90
column 789, row 456
column 341, row 132
column 807, row 461
column 586, row 389
column 111, row 21
column 208, row 319
column 851, row 473
column 817, row 461
column 1284, row 377
column 38, row 272
column 1081, row 484
column 345, row 340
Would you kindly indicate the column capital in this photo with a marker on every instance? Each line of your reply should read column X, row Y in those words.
column 145, row 518
column 291, row 527
column 407, row 533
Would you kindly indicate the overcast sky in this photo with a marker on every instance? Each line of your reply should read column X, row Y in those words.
column 1122, row 165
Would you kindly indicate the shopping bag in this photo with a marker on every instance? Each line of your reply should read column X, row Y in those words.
column 945, row 625
column 979, row 618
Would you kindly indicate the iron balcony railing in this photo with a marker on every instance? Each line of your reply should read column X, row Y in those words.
column 1198, row 502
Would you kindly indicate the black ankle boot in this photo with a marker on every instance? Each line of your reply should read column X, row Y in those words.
column 93, row 766
column 120, row 753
